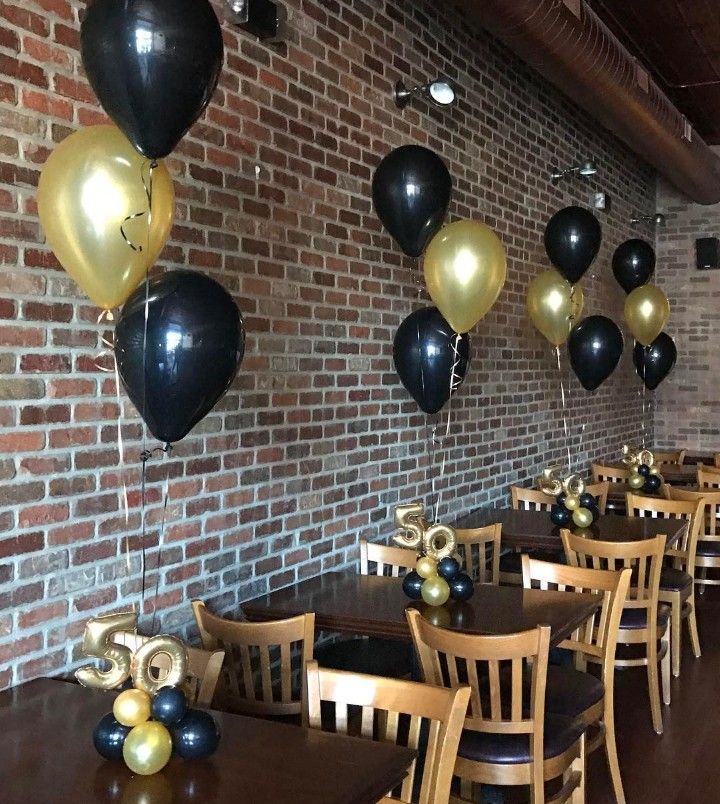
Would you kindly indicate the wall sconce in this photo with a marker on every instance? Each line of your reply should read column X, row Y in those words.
column 586, row 169
column 262, row 18
column 657, row 219
column 440, row 92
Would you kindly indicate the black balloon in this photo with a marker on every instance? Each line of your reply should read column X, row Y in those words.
column 560, row 516
column 572, row 241
column 412, row 584
column 195, row 343
column 196, row 736
column 154, row 65
column 109, row 736
column 652, row 483
column 169, row 705
column 424, row 355
column 643, row 470
column 594, row 346
column 448, row 568
column 587, row 500
column 411, row 191
column 461, row 587
column 560, row 499
column 633, row 263
column 653, row 363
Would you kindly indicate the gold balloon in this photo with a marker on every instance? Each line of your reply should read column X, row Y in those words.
column 439, row 541
column 655, row 470
column 176, row 674
column 582, row 517
column 636, row 481
column 147, row 748
column 435, row 591
column 465, row 271
column 97, row 643
column 572, row 502
column 409, row 520
column 91, row 185
column 554, row 306
column 426, row 567
column 132, row 707
column 646, row 311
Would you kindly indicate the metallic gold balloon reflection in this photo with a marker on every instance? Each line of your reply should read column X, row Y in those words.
column 465, row 269
column 168, row 647
column 646, row 311
column 554, row 306
column 91, row 183
column 435, row 591
column 132, row 707
column 147, row 748
column 148, row 790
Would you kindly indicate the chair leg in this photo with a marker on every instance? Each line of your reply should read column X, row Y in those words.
column 578, row 764
column 466, row 789
column 676, row 634
column 611, row 749
column 654, row 686
column 692, row 625
column 703, row 576
column 665, row 668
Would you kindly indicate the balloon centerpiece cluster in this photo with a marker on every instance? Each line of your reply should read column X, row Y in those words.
column 151, row 719
column 572, row 502
column 644, row 472
column 437, row 575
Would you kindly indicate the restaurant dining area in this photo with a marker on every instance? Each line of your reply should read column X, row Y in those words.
column 359, row 431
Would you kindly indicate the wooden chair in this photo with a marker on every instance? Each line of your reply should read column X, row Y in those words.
column 391, row 710
column 677, row 457
column 372, row 655
column 480, row 551
column 525, row 500
column 508, row 738
column 716, row 460
column 643, row 620
column 708, row 477
column 204, row 667
column 677, row 581
column 530, row 499
column 571, row 691
column 259, row 665
column 707, row 555
column 610, row 474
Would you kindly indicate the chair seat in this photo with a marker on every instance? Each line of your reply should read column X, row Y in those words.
column 513, row 749
column 379, row 657
column 675, row 580
column 571, row 692
column 707, row 548
column 633, row 619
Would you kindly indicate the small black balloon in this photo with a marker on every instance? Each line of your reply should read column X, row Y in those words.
column 196, row 736
column 652, row 484
column 653, row 363
column 633, row 263
column 461, row 587
column 109, row 737
column 411, row 191
column 448, row 568
column 153, row 64
column 169, row 705
column 424, row 356
column 560, row 499
column 587, row 500
column 643, row 470
column 412, row 584
column 572, row 241
column 560, row 516
column 595, row 346
column 195, row 343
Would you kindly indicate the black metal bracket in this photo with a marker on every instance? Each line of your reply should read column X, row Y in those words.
column 262, row 18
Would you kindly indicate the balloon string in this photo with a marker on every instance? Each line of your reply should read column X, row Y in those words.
column 564, row 408
column 642, row 395
column 147, row 185
column 161, row 539
column 455, row 382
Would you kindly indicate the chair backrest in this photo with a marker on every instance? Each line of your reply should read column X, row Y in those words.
column 683, row 552
column 612, row 474
column 203, row 670
column 710, row 526
column 393, row 710
column 260, row 660
column 708, row 477
column 530, row 499
column 599, row 491
column 716, row 460
column 449, row 658
column 387, row 560
column 677, row 457
column 596, row 639
column 480, row 551
column 644, row 557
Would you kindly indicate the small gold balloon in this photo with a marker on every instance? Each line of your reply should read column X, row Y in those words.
column 132, row 707
column 582, row 517
column 147, row 748
column 654, row 470
column 646, row 311
column 435, row 591
column 572, row 502
column 636, row 481
column 554, row 306
column 426, row 567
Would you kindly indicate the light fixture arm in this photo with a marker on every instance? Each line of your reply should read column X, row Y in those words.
column 262, row 18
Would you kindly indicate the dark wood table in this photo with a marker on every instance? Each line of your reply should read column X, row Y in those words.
column 534, row 530
column 673, row 473
column 347, row 602
column 47, row 754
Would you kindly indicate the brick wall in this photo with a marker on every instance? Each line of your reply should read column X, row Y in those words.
column 317, row 440
column 687, row 403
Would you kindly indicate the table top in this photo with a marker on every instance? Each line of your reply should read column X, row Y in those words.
column 375, row 606
column 533, row 529
column 679, row 474
column 46, row 729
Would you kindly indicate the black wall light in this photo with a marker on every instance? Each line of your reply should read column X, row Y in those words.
column 440, row 92
column 657, row 219
column 585, row 169
column 262, row 18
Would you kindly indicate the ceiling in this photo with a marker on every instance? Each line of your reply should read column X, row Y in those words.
column 678, row 41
